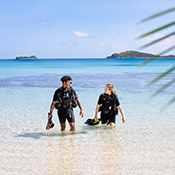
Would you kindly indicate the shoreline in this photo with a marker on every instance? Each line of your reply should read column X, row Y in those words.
column 85, row 58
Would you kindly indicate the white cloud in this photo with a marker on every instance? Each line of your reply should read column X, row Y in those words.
column 101, row 44
column 77, row 44
column 70, row 43
column 80, row 34
column 42, row 22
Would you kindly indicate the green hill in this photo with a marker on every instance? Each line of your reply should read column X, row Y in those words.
column 134, row 54
column 26, row 57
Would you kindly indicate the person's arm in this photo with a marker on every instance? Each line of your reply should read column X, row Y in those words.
column 51, row 109
column 121, row 111
column 96, row 111
column 99, row 103
column 80, row 106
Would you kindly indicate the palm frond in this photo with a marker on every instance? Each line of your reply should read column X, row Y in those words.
column 167, row 50
column 156, row 56
column 163, row 88
column 162, row 53
column 149, row 60
column 156, row 15
column 161, row 76
column 156, row 41
column 156, row 30
column 169, row 103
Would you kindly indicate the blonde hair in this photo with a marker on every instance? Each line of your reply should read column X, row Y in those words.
column 111, row 88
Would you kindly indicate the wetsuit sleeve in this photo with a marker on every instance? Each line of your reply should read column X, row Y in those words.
column 117, row 101
column 75, row 94
column 55, row 97
column 100, row 100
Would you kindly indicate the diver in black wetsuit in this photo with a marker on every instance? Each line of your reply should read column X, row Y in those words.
column 65, row 99
column 108, row 104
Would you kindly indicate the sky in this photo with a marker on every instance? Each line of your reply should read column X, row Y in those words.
column 80, row 29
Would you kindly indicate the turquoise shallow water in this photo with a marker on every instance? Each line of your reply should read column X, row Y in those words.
column 143, row 145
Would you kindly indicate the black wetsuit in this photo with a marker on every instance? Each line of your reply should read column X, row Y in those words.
column 66, row 109
column 107, row 103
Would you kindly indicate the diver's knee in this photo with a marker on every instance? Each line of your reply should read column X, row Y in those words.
column 112, row 124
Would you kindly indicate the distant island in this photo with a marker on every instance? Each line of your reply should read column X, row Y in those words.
column 134, row 54
column 26, row 57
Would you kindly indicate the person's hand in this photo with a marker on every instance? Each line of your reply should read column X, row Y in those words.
column 50, row 115
column 123, row 119
column 81, row 114
column 95, row 118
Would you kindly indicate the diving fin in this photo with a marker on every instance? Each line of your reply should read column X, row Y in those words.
column 92, row 121
column 96, row 122
column 50, row 124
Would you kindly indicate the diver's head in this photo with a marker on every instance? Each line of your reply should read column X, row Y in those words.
column 66, row 80
column 109, row 89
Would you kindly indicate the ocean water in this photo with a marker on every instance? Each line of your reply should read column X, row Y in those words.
column 144, row 145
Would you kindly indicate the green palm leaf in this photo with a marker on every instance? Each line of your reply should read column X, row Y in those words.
column 163, row 88
column 158, row 40
column 149, row 60
column 170, row 102
column 156, row 30
column 157, row 15
column 157, row 56
column 161, row 76
column 165, row 51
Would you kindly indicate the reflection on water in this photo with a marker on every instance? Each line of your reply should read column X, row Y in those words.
column 96, row 152
column 124, row 149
